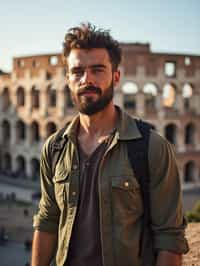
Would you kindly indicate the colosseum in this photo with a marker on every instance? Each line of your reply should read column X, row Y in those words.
column 161, row 88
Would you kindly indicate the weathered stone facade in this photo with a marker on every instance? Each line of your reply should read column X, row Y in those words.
column 161, row 88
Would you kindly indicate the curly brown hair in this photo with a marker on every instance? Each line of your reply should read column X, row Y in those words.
column 87, row 36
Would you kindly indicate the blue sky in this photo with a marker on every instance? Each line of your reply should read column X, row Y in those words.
column 32, row 27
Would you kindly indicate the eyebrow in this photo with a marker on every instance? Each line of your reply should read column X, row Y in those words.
column 92, row 66
column 98, row 66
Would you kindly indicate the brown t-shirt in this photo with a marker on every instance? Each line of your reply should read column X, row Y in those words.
column 85, row 244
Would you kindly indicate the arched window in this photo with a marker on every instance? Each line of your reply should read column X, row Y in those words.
column 35, row 136
column 130, row 89
column 20, row 96
column 20, row 130
column 51, row 96
column 170, row 133
column 5, row 99
column 189, row 172
column 6, row 131
column 190, row 134
column 50, row 128
column 35, row 97
column 20, row 167
column 169, row 95
column 150, row 91
column 6, row 164
column 35, row 169
column 67, row 95
column 187, row 94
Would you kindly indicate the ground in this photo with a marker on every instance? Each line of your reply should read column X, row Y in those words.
column 193, row 236
column 19, row 228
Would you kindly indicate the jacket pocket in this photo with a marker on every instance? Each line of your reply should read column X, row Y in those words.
column 126, row 197
column 61, row 188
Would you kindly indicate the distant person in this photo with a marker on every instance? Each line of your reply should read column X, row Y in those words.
column 95, row 210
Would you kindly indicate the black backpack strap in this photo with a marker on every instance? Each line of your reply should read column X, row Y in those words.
column 56, row 146
column 138, row 157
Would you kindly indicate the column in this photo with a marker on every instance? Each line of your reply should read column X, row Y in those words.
column 179, row 103
column 43, row 102
column 140, row 108
column 13, row 133
column 180, row 139
column 159, row 106
column 61, row 103
column 28, row 168
column 28, row 102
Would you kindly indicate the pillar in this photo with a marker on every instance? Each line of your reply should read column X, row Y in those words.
column 140, row 106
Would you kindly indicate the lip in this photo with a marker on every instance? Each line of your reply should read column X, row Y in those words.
column 88, row 93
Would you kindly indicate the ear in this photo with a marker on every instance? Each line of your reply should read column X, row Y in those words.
column 116, row 77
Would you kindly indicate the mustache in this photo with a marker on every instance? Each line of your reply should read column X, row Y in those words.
column 89, row 89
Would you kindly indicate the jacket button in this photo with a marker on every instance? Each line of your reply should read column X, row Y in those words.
column 73, row 193
column 126, row 184
column 75, row 166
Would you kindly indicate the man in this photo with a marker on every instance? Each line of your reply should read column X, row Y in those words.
column 91, row 205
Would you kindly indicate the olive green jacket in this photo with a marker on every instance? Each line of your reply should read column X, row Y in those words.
column 120, row 198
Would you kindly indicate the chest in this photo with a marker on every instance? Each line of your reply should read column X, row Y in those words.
column 90, row 145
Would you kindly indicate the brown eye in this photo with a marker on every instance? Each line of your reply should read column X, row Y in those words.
column 77, row 73
column 97, row 70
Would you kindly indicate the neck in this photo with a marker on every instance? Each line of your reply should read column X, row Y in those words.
column 99, row 124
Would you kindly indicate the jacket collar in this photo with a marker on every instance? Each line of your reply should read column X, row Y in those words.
column 126, row 128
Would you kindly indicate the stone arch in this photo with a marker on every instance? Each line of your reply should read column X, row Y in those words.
column 5, row 99
column 150, row 91
column 6, row 163
column 190, row 171
column 51, row 96
column 187, row 93
column 34, row 132
column 6, row 131
column 35, row 168
column 190, row 132
column 50, row 128
column 20, row 96
column 20, row 166
column 35, row 97
column 169, row 95
column 130, row 89
column 20, row 130
column 67, row 95
column 171, row 133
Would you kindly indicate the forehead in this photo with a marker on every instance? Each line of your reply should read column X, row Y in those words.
column 88, row 57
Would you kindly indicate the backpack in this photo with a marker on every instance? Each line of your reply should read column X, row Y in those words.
column 138, row 157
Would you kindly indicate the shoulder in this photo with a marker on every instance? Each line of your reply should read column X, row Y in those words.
column 48, row 143
column 159, row 145
column 162, row 159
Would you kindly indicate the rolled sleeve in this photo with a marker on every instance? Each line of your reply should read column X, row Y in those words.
column 47, row 217
column 168, row 222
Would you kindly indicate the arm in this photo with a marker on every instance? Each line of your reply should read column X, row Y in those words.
column 47, row 218
column 43, row 247
column 166, row 258
column 167, row 220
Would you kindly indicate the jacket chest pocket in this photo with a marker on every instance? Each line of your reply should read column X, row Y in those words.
column 126, row 197
column 61, row 188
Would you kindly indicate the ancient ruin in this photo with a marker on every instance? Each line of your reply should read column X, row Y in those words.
column 161, row 88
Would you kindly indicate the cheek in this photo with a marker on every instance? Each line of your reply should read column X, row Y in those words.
column 72, row 86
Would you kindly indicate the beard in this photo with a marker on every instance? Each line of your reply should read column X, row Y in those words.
column 87, row 105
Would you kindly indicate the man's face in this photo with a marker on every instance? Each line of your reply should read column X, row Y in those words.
column 91, row 79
